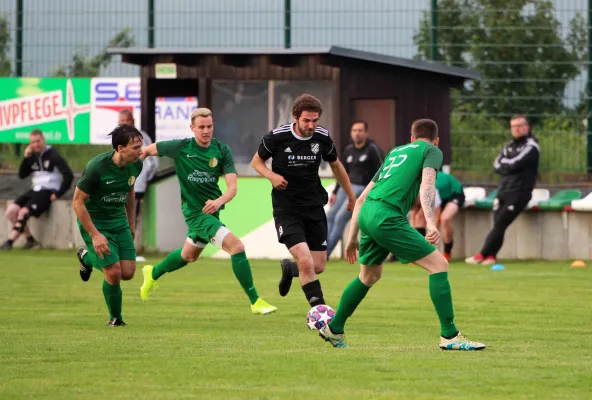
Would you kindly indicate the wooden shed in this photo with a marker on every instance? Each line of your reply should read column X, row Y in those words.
column 250, row 90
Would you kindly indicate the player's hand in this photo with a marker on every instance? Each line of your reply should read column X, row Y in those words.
column 53, row 197
column 28, row 151
column 332, row 199
column 211, row 206
column 133, row 231
column 278, row 182
column 351, row 203
column 351, row 251
column 101, row 245
column 432, row 234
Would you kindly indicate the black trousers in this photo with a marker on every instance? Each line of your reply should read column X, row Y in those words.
column 506, row 208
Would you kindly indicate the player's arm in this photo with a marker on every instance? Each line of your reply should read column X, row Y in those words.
column 150, row 150
column 343, row 179
column 352, row 242
column 130, row 210
column 100, row 242
column 510, row 165
column 212, row 206
column 427, row 196
column 265, row 151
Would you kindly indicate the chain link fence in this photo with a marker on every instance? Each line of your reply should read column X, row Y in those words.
column 533, row 55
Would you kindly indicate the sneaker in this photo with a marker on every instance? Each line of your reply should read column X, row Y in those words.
column 29, row 244
column 489, row 260
column 286, row 279
column 149, row 284
column 85, row 270
column 261, row 307
column 5, row 246
column 447, row 256
column 474, row 260
column 336, row 340
column 460, row 342
column 116, row 322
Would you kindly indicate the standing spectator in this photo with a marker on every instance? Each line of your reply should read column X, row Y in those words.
column 453, row 198
column 518, row 165
column 149, row 167
column 51, row 178
column 362, row 159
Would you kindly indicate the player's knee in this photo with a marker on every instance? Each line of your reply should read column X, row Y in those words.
column 23, row 213
column 189, row 255
column 113, row 273
column 440, row 266
column 369, row 276
column 236, row 247
column 305, row 265
column 128, row 273
column 319, row 268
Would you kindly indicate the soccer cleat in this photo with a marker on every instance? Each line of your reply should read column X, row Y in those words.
column 336, row 340
column 85, row 270
column 5, row 246
column 447, row 256
column 489, row 261
column 460, row 342
column 116, row 322
column 149, row 282
column 286, row 280
column 474, row 260
column 29, row 244
column 261, row 307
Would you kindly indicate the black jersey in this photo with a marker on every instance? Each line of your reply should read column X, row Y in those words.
column 297, row 159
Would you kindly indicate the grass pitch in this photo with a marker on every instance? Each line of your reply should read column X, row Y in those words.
column 196, row 337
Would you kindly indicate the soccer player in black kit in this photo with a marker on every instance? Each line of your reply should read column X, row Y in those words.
column 298, row 196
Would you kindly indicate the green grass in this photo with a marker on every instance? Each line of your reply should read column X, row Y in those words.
column 196, row 337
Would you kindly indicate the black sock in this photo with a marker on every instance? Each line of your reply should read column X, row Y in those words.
column 422, row 231
column 30, row 238
column 294, row 269
column 313, row 293
column 448, row 247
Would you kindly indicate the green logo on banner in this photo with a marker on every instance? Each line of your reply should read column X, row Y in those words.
column 60, row 107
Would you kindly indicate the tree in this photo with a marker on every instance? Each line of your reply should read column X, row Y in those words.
column 86, row 66
column 517, row 45
column 5, row 62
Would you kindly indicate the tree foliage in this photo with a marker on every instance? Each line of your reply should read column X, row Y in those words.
column 90, row 66
column 5, row 39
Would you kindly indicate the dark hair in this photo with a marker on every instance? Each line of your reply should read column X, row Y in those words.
column 127, row 113
column 306, row 102
column 123, row 135
column 36, row 132
column 360, row 122
column 424, row 129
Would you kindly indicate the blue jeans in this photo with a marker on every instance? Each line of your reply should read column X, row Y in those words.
column 338, row 217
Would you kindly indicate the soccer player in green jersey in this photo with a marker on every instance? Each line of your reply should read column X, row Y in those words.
column 104, row 203
column 199, row 163
column 407, row 170
column 453, row 198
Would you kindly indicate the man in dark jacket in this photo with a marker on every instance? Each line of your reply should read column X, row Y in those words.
column 518, row 165
column 361, row 160
column 51, row 178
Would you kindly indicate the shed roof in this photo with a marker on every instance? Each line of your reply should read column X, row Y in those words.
column 188, row 56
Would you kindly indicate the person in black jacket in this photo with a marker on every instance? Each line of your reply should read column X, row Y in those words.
column 518, row 164
column 51, row 178
column 362, row 159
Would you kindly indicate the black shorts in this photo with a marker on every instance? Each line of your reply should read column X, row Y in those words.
column 458, row 199
column 307, row 225
column 37, row 202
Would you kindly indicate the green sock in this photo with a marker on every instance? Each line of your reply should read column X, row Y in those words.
column 113, row 298
column 242, row 271
column 352, row 296
column 442, row 298
column 171, row 263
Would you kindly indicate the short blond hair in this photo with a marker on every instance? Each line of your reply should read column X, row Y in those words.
column 200, row 112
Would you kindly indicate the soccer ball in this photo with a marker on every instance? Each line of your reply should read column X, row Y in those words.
column 319, row 316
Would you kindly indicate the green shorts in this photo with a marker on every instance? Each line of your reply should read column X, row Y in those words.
column 121, row 245
column 385, row 230
column 203, row 229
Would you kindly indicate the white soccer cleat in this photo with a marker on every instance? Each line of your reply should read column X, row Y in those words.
column 460, row 342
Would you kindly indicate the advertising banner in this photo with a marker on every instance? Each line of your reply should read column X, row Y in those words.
column 60, row 107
